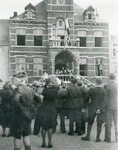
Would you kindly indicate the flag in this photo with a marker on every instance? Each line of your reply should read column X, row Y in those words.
column 67, row 26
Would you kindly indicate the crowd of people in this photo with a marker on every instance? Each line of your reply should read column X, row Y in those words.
column 80, row 102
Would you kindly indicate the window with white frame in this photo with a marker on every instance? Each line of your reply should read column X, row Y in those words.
column 98, row 38
column 37, row 37
column 37, row 66
column 89, row 16
column 83, row 66
column 99, row 66
column 82, row 37
column 114, row 52
column 29, row 15
column 20, row 36
column 115, row 67
column 20, row 64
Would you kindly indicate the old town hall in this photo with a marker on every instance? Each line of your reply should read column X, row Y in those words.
column 55, row 35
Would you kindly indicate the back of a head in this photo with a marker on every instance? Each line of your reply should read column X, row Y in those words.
column 73, row 80
column 7, row 85
column 112, row 76
column 35, row 83
column 98, row 81
column 79, row 83
column 63, row 85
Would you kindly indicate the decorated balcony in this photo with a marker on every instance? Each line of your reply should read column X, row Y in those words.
column 63, row 43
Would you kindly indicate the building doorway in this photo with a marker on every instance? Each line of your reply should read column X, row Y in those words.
column 63, row 63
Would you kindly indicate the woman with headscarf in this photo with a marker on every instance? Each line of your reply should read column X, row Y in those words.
column 47, row 111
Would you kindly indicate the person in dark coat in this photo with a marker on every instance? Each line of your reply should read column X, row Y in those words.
column 83, row 112
column 47, row 111
column 98, row 97
column 36, row 87
column 6, row 94
column 61, row 102
column 75, row 101
column 111, row 107
column 24, row 110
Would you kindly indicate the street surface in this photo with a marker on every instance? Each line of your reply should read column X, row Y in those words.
column 64, row 141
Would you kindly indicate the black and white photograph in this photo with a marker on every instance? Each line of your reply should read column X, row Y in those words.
column 59, row 74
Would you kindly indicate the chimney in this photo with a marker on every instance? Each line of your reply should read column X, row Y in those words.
column 15, row 14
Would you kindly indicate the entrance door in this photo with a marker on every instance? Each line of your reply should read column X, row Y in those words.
column 63, row 61
column 83, row 70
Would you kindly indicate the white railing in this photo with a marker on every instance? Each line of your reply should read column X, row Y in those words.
column 63, row 77
column 66, row 78
column 83, row 79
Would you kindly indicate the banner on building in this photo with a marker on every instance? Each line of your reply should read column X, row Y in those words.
column 67, row 26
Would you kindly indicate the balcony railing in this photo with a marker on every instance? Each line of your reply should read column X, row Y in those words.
column 64, row 43
column 66, row 78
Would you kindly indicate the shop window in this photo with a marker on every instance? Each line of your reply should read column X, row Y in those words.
column 83, row 66
column 98, row 41
column 20, row 64
column 99, row 66
column 37, row 40
column 82, row 41
column 37, row 66
column 20, row 39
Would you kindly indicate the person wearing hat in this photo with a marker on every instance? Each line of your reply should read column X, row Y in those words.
column 98, row 97
column 75, row 99
column 36, row 87
column 61, row 105
column 111, row 107
column 47, row 111
column 24, row 110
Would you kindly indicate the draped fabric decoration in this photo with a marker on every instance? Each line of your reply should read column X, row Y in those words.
column 67, row 26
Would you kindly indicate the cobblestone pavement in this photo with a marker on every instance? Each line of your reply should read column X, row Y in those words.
column 64, row 142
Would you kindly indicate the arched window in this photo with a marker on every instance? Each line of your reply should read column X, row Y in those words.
column 60, row 23
column 89, row 16
column 29, row 14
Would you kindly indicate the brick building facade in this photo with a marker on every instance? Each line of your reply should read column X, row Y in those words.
column 39, row 41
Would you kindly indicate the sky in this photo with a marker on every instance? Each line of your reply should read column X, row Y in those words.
column 107, row 9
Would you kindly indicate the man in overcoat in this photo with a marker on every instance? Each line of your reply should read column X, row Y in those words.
column 111, row 107
column 75, row 99
column 24, row 110
column 98, row 96
column 61, row 101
